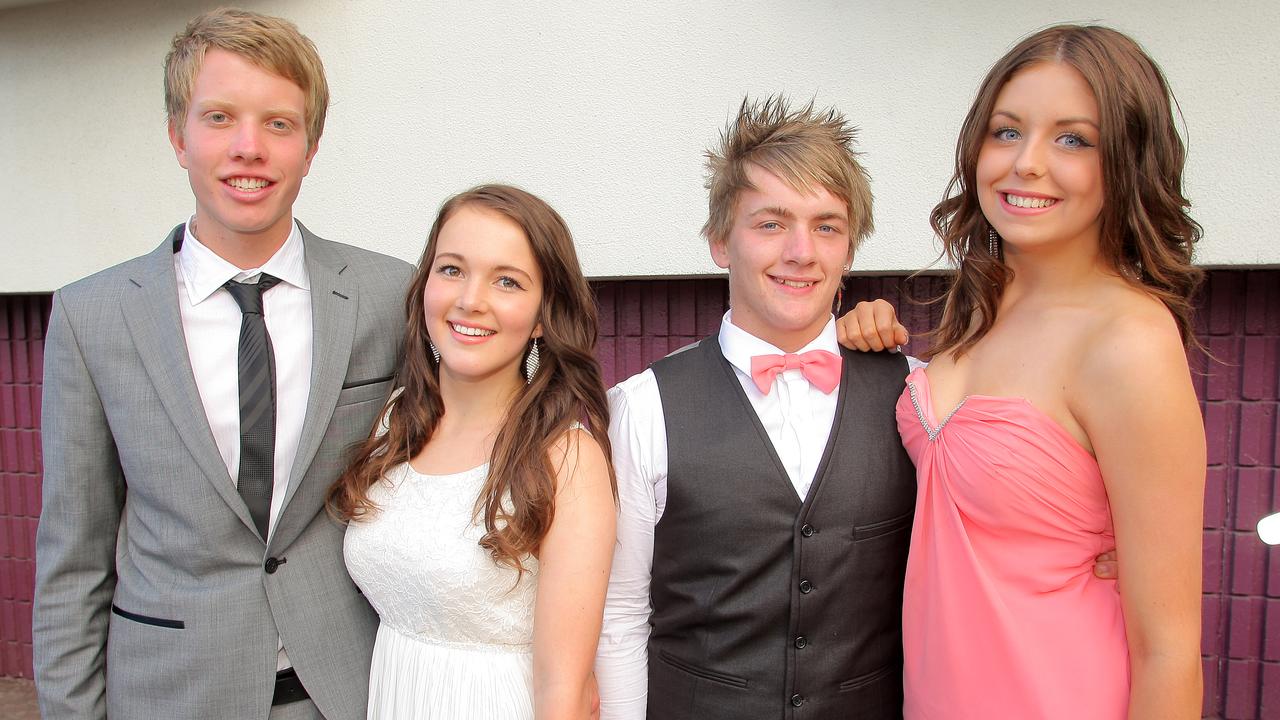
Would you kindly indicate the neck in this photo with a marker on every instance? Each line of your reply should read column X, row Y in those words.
column 475, row 406
column 244, row 250
column 788, row 341
column 1061, row 270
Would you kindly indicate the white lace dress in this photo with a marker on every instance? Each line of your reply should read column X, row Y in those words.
column 456, row 637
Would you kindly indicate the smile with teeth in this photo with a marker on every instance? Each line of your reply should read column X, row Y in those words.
column 1028, row 202
column 244, row 183
column 794, row 283
column 470, row 331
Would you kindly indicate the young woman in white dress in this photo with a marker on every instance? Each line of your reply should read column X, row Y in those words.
column 482, row 510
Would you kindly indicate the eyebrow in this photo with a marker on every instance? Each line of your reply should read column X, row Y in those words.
column 786, row 213
column 772, row 210
column 1063, row 121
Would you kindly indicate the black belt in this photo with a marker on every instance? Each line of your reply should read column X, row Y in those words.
column 288, row 688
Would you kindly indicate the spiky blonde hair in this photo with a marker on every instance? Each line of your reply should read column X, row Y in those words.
column 806, row 148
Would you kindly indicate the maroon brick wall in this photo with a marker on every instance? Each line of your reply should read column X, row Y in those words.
column 22, row 321
column 641, row 321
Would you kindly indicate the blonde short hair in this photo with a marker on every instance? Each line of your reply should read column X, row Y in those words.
column 272, row 43
column 805, row 148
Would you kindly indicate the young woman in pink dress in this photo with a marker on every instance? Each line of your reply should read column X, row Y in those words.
column 1057, row 418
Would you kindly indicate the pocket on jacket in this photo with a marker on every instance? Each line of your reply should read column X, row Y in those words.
column 876, row 694
column 701, row 672
column 866, row 679
column 884, row 527
column 358, row 391
column 147, row 619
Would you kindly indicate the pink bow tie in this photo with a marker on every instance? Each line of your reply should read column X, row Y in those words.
column 819, row 367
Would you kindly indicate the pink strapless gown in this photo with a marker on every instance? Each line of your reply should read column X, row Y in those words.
column 1002, row 616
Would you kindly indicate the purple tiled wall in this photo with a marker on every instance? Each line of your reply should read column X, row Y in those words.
column 22, row 322
column 642, row 320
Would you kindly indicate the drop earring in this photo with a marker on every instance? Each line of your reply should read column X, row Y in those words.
column 993, row 242
column 435, row 352
column 531, row 361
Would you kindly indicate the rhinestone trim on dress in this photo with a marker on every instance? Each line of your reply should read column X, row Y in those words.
column 931, row 432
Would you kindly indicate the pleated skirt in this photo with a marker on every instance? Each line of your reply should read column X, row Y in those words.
column 414, row 678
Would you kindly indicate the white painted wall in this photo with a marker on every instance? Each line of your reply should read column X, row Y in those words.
column 602, row 109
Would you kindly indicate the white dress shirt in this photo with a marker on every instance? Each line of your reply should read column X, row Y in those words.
column 797, row 418
column 211, row 324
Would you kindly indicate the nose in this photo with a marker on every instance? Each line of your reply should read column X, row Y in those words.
column 1030, row 160
column 472, row 298
column 247, row 143
column 799, row 246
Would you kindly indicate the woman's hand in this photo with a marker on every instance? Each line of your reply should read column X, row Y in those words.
column 871, row 326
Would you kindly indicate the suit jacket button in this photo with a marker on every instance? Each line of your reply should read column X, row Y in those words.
column 802, row 642
column 807, row 530
column 806, row 586
column 797, row 700
column 271, row 565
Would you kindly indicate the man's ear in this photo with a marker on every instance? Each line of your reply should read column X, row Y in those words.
column 178, row 142
column 720, row 252
column 311, row 155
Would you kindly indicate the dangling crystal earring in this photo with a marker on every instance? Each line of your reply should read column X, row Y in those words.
column 531, row 361
column 435, row 352
column 993, row 242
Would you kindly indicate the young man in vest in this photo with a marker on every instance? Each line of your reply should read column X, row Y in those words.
column 198, row 401
column 765, row 498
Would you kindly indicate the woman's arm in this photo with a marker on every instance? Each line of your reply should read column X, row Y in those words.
column 1136, row 401
column 573, row 573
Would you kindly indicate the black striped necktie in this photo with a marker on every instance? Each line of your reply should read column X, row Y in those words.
column 257, row 401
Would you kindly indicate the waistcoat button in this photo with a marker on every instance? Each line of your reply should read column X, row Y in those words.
column 797, row 700
column 806, row 586
column 807, row 530
column 802, row 642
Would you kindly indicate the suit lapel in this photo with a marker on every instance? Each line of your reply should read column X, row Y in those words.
column 334, row 301
column 155, row 324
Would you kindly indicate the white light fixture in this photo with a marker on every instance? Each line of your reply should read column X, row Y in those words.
column 1269, row 529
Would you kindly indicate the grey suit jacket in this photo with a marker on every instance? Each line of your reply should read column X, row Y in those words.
column 154, row 595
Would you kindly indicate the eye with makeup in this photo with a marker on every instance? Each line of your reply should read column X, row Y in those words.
column 1006, row 134
column 1074, row 141
column 451, row 271
column 507, row 282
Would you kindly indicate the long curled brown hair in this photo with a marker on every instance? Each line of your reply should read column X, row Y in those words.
column 1146, row 233
column 517, row 502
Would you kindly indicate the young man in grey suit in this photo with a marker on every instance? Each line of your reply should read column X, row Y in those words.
column 198, row 401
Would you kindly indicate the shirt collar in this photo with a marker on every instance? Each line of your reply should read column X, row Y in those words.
column 739, row 346
column 204, row 271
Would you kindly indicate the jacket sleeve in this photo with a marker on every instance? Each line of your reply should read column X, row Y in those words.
column 83, row 497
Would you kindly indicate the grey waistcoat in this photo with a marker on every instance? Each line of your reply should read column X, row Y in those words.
column 764, row 606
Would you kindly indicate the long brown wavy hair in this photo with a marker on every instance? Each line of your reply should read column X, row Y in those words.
column 1147, row 235
column 517, row 503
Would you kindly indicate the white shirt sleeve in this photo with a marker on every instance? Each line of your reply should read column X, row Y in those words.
column 637, row 431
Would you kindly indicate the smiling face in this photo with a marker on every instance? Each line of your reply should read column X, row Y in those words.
column 1039, row 173
column 244, row 146
column 785, row 253
column 482, row 297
